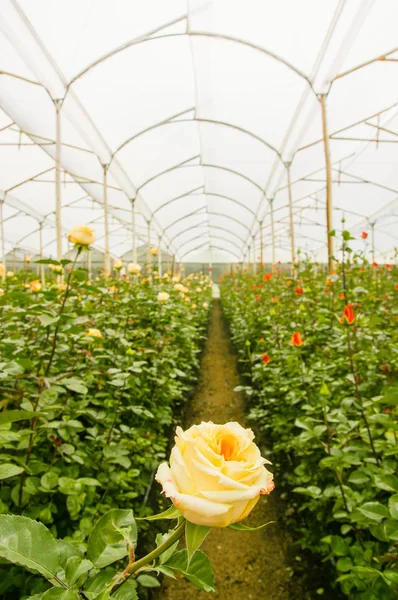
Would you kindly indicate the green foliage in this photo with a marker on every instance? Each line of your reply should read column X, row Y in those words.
column 84, row 421
column 326, row 412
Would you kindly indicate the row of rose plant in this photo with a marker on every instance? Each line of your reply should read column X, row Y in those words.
column 92, row 374
column 319, row 354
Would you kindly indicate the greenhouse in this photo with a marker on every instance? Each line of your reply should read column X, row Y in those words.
column 198, row 299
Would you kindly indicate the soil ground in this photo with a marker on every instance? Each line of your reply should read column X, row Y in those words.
column 248, row 565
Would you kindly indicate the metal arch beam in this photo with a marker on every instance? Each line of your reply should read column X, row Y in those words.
column 172, row 121
column 150, row 36
column 190, row 193
column 231, row 218
column 213, row 227
column 186, row 194
column 168, row 170
column 191, row 214
column 215, row 236
column 209, row 166
column 211, row 246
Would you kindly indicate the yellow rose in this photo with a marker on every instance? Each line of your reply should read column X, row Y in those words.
column 163, row 296
column 216, row 474
column 56, row 268
column 154, row 251
column 10, row 273
column 134, row 268
column 2, row 270
column 205, row 305
column 35, row 285
column 179, row 287
column 1, row 292
column 92, row 332
column 28, row 258
column 82, row 235
column 117, row 264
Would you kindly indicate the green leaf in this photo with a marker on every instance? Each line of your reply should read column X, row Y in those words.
column 9, row 470
column 199, row 571
column 75, row 568
column 75, row 385
column 324, row 391
column 148, row 581
column 49, row 480
column 10, row 416
column 47, row 261
column 358, row 477
column 389, row 483
column 311, row 490
column 393, row 506
column 46, row 320
column 171, row 513
column 194, row 537
column 339, row 545
column 111, row 537
column 28, row 543
column 374, row 511
column 242, row 527
column 127, row 591
column 60, row 594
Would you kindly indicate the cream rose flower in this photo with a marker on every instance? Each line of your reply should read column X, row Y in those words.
column 10, row 273
column 82, row 235
column 154, row 251
column 163, row 296
column 95, row 333
column 117, row 264
column 216, row 474
column 179, row 287
column 205, row 305
column 56, row 268
column 2, row 270
column 134, row 268
column 35, row 285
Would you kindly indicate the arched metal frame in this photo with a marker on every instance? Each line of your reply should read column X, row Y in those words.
column 153, row 36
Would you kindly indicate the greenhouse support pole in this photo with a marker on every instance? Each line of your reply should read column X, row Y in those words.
column 248, row 256
column 328, row 168
column 134, row 233
column 173, row 265
column 254, row 256
column 159, row 257
column 373, row 241
column 261, row 244
column 107, row 258
column 271, row 203
column 42, row 277
column 89, row 266
column 148, row 250
column 3, row 244
column 291, row 224
column 58, row 204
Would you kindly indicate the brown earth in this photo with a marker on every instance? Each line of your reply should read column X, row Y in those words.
column 248, row 565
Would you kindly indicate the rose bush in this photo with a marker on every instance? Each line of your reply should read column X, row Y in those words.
column 216, row 474
column 325, row 406
column 85, row 419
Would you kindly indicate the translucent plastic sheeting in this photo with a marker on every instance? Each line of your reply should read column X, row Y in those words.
column 197, row 111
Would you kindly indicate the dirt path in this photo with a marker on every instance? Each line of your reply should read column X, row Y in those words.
column 246, row 565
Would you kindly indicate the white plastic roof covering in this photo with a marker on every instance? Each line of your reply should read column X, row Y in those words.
column 197, row 108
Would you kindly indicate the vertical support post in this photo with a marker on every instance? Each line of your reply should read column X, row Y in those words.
column 249, row 256
column 271, row 204
column 3, row 242
column 328, row 168
column 173, row 264
column 134, row 233
column 254, row 266
column 373, row 241
column 42, row 277
column 107, row 257
column 89, row 265
column 160, row 256
column 261, row 243
column 168, row 259
column 148, row 250
column 58, row 203
column 291, row 224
